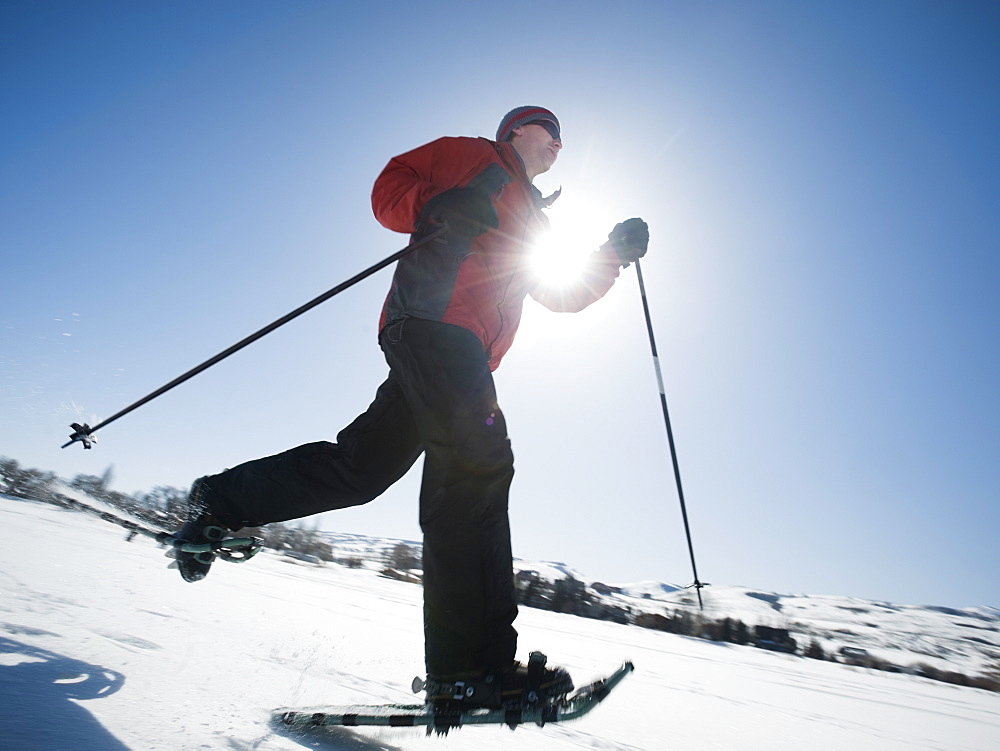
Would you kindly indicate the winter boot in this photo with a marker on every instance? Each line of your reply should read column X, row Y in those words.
column 201, row 526
column 517, row 685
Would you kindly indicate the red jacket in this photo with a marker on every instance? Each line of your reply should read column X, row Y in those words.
column 479, row 284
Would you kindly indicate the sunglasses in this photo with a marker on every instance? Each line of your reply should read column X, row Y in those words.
column 550, row 127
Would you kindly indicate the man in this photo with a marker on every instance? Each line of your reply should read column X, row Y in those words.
column 450, row 315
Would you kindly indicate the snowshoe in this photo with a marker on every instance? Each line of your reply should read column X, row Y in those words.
column 201, row 527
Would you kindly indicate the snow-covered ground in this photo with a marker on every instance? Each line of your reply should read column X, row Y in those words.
column 105, row 648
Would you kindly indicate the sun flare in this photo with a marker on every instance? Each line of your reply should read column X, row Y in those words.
column 577, row 229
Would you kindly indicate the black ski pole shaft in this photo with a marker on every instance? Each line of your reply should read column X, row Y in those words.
column 84, row 433
column 670, row 433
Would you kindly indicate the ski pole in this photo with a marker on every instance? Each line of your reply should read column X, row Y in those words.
column 85, row 434
column 697, row 585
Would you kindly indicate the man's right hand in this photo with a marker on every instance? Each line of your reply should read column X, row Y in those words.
column 466, row 211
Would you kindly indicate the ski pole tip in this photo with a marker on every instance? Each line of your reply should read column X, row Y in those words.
column 82, row 433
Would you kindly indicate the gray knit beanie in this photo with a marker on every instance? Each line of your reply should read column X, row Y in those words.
column 523, row 116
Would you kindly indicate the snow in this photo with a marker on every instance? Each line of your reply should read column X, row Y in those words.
column 548, row 570
column 105, row 648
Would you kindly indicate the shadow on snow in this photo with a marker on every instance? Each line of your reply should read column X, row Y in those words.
column 332, row 738
column 39, row 691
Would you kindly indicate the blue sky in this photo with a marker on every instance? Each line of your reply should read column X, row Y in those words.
column 821, row 184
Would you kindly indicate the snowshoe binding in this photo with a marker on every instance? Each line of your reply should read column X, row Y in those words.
column 517, row 687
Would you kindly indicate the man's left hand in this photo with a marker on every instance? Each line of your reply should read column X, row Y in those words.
column 629, row 240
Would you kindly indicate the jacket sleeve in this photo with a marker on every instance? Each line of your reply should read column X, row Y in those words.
column 596, row 278
column 410, row 179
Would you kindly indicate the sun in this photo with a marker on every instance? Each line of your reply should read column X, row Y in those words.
column 577, row 229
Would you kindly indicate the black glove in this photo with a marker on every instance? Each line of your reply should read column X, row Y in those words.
column 629, row 240
column 467, row 211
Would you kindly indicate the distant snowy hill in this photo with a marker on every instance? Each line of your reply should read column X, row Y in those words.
column 965, row 640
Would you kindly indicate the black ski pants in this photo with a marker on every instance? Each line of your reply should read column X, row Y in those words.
column 439, row 399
